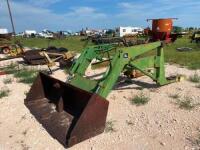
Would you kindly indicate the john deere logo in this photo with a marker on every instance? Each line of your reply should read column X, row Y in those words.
column 125, row 55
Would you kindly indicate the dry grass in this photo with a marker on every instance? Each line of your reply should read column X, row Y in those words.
column 186, row 103
column 174, row 96
column 7, row 81
column 195, row 78
column 195, row 141
column 110, row 126
column 129, row 122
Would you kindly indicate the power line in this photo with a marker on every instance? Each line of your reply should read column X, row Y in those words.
column 11, row 18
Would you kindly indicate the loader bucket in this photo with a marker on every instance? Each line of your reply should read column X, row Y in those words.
column 69, row 114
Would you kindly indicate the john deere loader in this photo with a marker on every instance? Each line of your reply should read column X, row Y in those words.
column 76, row 110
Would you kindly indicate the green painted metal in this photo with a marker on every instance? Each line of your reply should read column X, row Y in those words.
column 122, row 59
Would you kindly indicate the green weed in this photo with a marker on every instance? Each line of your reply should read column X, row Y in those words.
column 7, row 81
column 186, row 103
column 110, row 126
column 4, row 93
column 10, row 69
column 26, row 76
column 140, row 99
column 195, row 78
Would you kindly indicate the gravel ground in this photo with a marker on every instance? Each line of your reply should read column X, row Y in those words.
column 158, row 124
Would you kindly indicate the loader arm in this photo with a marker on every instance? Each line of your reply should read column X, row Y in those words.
column 90, row 53
column 124, row 59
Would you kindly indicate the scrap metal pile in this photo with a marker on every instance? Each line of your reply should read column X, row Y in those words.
column 161, row 31
column 128, row 40
column 37, row 57
column 12, row 50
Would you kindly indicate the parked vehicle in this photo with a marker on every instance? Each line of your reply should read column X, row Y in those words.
column 29, row 33
column 195, row 37
column 20, row 34
column 46, row 34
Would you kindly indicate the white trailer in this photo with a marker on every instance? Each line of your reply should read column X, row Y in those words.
column 122, row 31
column 3, row 31
column 30, row 33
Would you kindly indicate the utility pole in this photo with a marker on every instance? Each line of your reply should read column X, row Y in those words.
column 11, row 19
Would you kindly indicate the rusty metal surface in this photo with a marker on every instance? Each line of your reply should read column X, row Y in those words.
column 6, row 36
column 2, row 73
column 33, row 57
column 161, row 30
column 162, row 25
column 69, row 114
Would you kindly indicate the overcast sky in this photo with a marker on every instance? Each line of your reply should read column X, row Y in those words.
column 76, row 14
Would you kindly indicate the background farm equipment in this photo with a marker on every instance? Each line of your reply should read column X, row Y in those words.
column 75, row 111
column 6, row 36
column 65, row 59
column 44, row 56
column 162, row 30
column 10, row 49
column 195, row 37
column 127, row 40
column 5, row 41
column 4, row 45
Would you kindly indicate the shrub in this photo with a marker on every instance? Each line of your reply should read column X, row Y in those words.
column 7, row 81
column 110, row 126
column 140, row 99
column 195, row 78
column 26, row 76
column 4, row 93
column 174, row 96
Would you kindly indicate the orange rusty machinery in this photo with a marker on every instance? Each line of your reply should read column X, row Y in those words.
column 161, row 30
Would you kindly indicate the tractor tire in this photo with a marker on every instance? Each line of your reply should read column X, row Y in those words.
column 51, row 49
column 65, row 63
column 6, row 50
column 62, row 49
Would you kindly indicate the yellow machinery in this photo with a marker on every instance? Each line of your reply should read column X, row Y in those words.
column 51, row 58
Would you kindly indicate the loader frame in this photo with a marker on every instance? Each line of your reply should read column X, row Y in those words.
column 131, row 58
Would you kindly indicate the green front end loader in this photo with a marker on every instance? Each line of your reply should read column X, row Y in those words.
column 74, row 111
